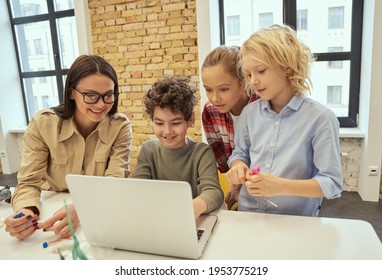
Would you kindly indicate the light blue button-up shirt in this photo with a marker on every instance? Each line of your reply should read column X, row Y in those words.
column 301, row 142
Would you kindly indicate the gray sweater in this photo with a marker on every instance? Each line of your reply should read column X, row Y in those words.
column 194, row 163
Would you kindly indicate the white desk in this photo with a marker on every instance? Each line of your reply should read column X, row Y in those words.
column 12, row 248
column 237, row 235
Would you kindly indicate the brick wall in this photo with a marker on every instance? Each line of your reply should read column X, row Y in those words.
column 146, row 40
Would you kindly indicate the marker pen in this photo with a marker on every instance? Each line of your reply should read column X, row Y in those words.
column 255, row 171
column 32, row 221
column 19, row 215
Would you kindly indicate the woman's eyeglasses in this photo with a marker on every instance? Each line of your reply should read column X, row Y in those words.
column 93, row 98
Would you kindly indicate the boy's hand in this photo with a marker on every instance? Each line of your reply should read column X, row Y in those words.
column 238, row 173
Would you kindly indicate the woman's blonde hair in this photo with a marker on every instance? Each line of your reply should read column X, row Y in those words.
column 279, row 46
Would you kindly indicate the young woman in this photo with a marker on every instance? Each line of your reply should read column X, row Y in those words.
column 84, row 135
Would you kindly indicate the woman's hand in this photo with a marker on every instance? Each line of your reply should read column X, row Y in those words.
column 22, row 227
column 58, row 223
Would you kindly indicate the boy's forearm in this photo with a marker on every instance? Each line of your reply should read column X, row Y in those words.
column 306, row 188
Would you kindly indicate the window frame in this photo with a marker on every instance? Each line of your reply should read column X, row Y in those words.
column 58, row 72
column 353, row 56
column 332, row 64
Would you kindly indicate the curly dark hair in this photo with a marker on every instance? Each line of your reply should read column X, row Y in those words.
column 174, row 93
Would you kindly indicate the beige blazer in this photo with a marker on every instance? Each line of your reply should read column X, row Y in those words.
column 52, row 148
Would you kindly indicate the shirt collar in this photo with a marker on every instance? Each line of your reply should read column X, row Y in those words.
column 69, row 128
column 294, row 104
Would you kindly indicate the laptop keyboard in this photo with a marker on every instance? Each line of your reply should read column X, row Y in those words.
column 199, row 232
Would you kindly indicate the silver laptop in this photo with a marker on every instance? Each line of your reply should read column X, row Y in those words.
column 147, row 216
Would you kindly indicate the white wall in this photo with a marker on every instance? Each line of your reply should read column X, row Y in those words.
column 81, row 11
column 207, row 16
column 12, row 113
column 371, row 100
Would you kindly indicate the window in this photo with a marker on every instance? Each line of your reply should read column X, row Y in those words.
column 233, row 25
column 265, row 19
column 63, row 5
column 30, row 9
column 302, row 20
column 334, row 95
column 45, row 100
column 42, row 80
column 39, row 29
column 337, row 46
column 29, row 49
column 338, row 63
column 336, row 17
column 255, row 14
column 38, row 50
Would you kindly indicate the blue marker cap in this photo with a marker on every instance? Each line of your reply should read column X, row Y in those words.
column 45, row 244
column 19, row 215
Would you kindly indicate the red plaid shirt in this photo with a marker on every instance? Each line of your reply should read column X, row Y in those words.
column 219, row 131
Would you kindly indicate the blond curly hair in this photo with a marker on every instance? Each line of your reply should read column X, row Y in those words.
column 278, row 45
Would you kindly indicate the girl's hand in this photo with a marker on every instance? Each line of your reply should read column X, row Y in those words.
column 232, row 196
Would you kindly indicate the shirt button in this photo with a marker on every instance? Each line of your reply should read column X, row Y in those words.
column 277, row 123
column 272, row 144
column 267, row 166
